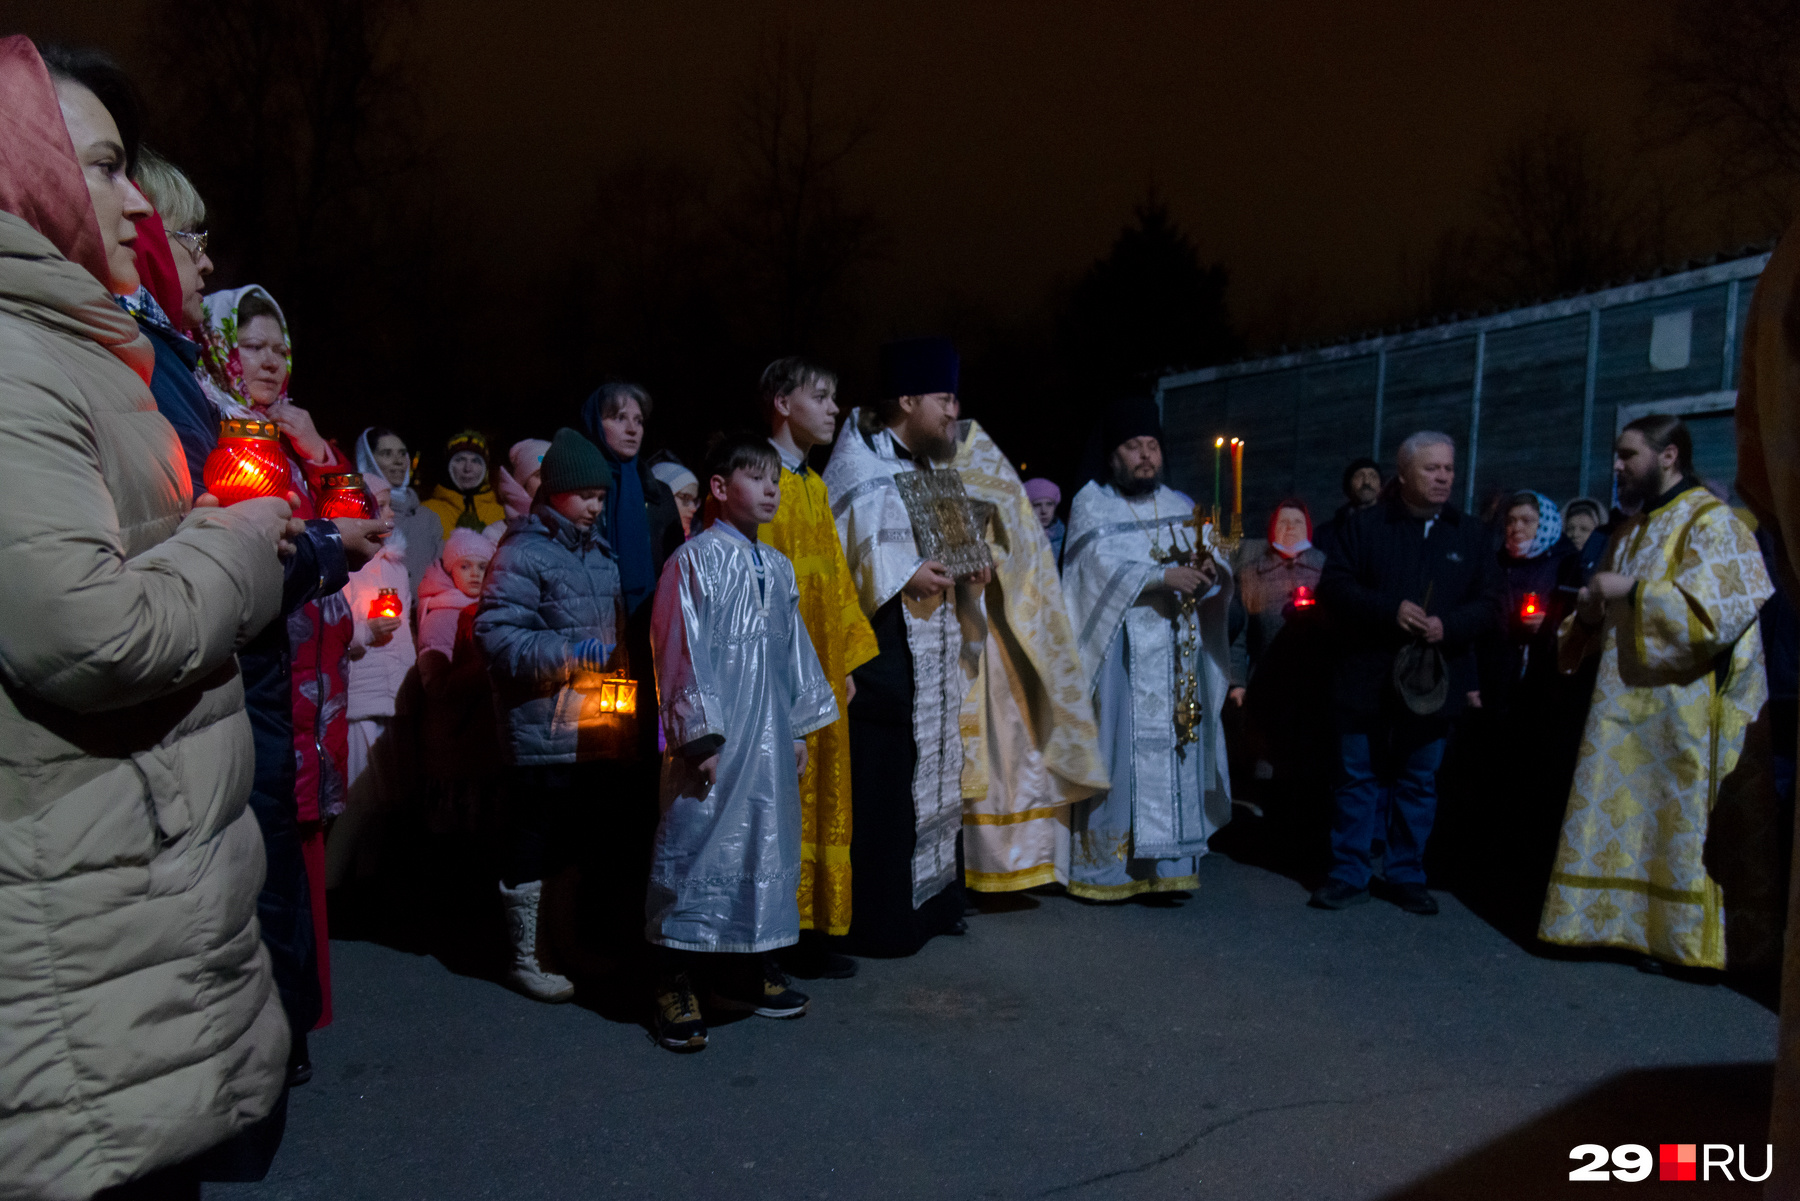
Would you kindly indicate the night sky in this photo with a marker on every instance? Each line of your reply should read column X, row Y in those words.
column 1308, row 145
column 1316, row 149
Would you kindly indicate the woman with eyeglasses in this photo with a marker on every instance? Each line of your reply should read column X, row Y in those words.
column 171, row 311
column 172, row 263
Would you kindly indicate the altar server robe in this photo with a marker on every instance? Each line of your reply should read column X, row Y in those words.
column 735, row 673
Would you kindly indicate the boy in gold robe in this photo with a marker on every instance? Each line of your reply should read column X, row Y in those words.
column 799, row 401
column 1672, row 615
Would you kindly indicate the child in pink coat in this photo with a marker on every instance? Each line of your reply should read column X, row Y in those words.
column 460, row 749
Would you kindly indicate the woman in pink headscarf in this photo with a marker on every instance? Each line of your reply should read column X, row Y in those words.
column 141, row 1023
column 1284, row 656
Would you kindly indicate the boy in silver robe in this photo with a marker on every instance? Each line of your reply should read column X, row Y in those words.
column 740, row 687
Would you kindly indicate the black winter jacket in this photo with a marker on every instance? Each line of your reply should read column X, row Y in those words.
column 1381, row 556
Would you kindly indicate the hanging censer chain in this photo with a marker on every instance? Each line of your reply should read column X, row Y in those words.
column 1186, row 623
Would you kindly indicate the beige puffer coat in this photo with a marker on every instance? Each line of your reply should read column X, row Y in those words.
column 138, row 1021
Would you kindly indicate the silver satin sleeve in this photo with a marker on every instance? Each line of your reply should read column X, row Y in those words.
column 734, row 661
column 871, row 518
column 685, row 680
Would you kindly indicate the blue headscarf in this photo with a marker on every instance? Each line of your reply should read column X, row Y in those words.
column 627, row 525
column 1549, row 526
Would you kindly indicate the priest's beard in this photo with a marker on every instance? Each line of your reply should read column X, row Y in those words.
column 1638, row 489
column 1130, row 485
column 935, row 447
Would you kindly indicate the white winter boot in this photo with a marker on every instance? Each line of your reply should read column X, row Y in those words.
column 524, row 973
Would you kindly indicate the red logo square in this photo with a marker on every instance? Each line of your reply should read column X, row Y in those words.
column 1676, row 1161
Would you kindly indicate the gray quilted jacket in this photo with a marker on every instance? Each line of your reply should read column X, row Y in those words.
column 549, row 586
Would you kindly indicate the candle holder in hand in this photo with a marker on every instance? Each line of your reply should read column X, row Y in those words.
column 345, row 496
column 1227, row 532
column 247, row 463
column 385, row 604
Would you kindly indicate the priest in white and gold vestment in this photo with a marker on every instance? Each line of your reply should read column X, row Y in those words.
column 1030, row 745
column 1672, row 615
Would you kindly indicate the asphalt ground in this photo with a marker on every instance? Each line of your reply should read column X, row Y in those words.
column 1235, row 1044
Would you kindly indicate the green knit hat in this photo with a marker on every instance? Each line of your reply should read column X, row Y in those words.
column 571, row 464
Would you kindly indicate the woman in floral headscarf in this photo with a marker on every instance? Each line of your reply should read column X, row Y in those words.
column 1532, row 715
column 248, row 358
column 1532, row 556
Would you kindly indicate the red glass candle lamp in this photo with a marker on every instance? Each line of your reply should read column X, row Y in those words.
column 247, row 463
column 385, row 604
column 1532, row 606
column 1303, row 596
column 344, row 495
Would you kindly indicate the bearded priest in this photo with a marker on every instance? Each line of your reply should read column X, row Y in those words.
column 906, row 758
column 1671, row 614
column 1150, row 622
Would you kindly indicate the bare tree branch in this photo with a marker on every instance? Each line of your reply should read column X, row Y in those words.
column 801, row 237
column 1729, row 78
column 1559, row 214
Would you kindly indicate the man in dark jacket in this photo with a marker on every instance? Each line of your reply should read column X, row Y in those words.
column 1410, row 573
column 1361, row 486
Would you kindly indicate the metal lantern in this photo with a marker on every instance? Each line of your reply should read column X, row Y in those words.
column 385, row 604
column 344, row 495
column 607, row 727
column 247, row 463
column 617, row 693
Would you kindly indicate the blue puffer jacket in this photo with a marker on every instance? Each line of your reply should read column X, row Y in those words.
column 549, row 586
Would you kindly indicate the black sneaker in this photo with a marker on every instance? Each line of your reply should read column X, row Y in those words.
column 1335, row 894
column 811, row 960
column 833, row 966
column 1415, row 898
column 679, row 1026
column 776, row 999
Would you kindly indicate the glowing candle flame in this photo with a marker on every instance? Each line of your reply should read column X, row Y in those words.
column 247, row 463
column 345, row 496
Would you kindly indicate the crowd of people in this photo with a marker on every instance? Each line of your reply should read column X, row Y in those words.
column 718, row 726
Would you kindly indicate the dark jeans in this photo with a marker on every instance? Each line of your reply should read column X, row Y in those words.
column 1387, row 784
